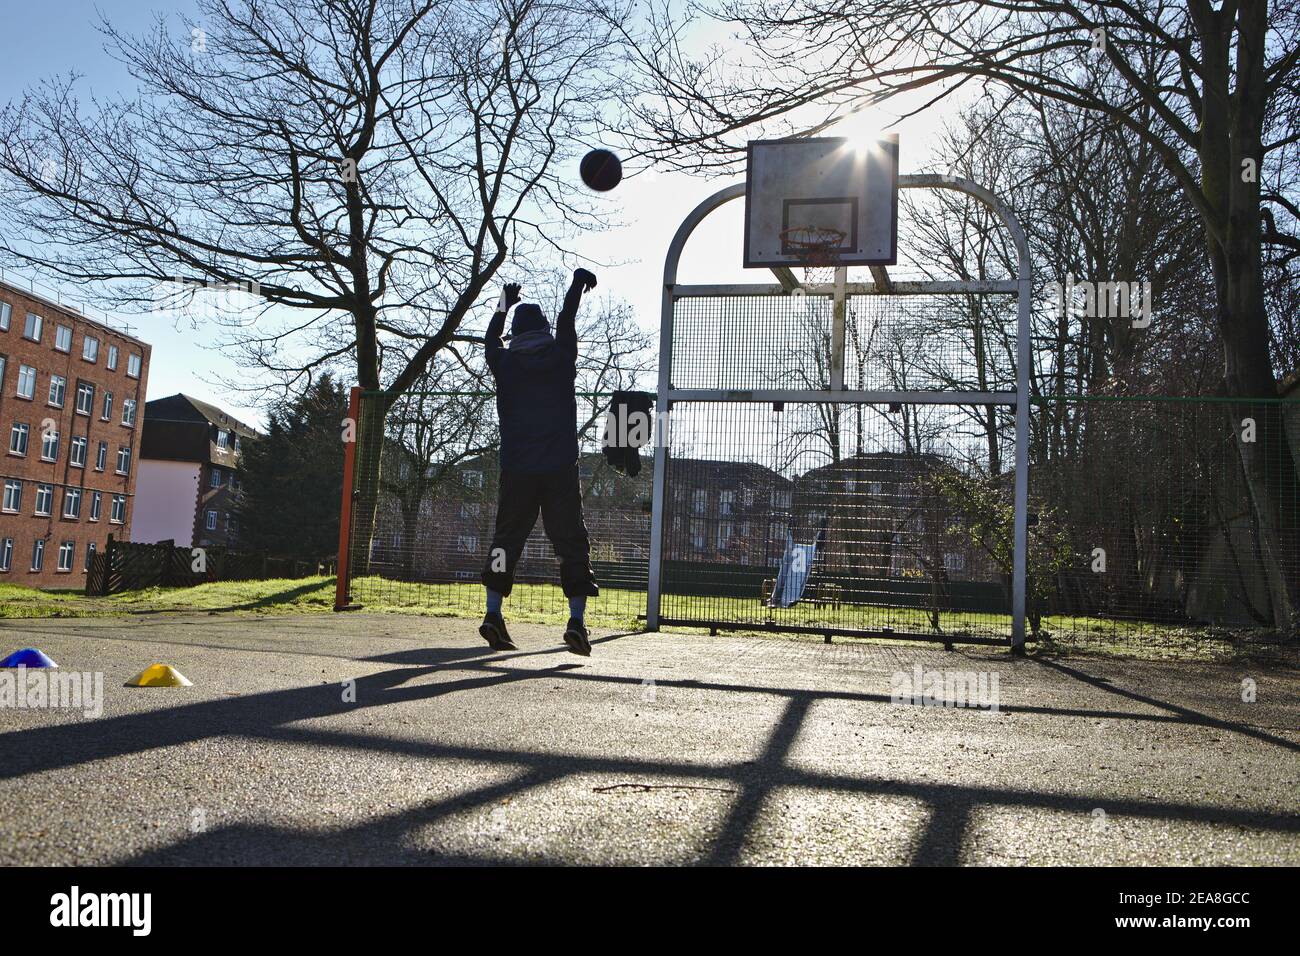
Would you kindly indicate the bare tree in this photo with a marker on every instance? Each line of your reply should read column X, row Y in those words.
column 366, row 166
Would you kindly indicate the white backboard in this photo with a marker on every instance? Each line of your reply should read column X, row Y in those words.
column 833, row 183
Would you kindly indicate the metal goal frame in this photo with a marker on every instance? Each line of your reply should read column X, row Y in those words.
column 1018, row 400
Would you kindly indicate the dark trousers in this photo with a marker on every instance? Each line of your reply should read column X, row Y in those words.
column 555, row 494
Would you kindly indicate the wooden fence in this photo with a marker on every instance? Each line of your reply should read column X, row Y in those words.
column 130, row 566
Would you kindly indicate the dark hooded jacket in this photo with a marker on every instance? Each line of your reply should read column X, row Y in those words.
column 535, row 377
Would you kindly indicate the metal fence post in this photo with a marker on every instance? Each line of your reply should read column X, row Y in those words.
column 342, row 595
column 1020, row 543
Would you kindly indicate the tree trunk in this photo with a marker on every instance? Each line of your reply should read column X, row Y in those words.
column 1267, row 462
column 1231, row 155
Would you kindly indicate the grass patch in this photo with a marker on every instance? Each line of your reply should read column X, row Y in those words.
column 277, row 596
column 618, row 609
column 21, row 602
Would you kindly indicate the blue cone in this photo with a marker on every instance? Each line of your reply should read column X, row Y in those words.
column 27, row 657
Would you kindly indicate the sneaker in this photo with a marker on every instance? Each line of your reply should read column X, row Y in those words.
column 575, row 636
column 493, row 630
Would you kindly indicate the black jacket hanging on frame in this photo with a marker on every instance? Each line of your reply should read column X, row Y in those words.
column 628, row 426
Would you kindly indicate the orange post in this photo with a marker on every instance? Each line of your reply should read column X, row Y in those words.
column 342, row 599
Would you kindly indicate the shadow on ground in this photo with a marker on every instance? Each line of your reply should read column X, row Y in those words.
column 300, row 716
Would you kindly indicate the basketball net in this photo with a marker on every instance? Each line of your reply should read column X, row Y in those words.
column 818, row 250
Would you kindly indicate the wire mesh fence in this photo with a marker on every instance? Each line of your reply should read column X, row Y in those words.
column 874, row 520
column 930, row 343
column 1162, row 521
column 749, row 342
column 915, row 342
column 423, row 508
column 1153, row 521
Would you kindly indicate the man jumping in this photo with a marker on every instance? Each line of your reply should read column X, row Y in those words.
column 538, row 411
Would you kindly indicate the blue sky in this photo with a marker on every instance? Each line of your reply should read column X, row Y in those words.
column 55, row 36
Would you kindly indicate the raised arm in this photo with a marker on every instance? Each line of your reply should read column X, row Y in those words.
column 566, row 335
column 492, row 338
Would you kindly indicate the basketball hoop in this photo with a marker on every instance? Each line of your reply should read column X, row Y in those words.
column 817, row 248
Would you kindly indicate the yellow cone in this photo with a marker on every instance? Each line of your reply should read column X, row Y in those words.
column 159, row 675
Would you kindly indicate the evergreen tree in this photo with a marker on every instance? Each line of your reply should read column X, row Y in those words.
column 293, row 476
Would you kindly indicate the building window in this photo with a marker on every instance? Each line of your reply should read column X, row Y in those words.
column 128, row 411
column 133, row 365
column 85, row 398
column 26, row 381
column 123, row 459
column 44, row 500
column 96, row 500
column 66, row 550
column 111, row 362
column 90, row 554
column 101, row 456
column 107, row 414
column 470, row 509
column 77, row 453
column 726, row 503
column 211, row 521
column 215, row 479
column 13, row 500
column 700, row 502
column 221, row 440
column 90, row 348
column 117, row 513
column 467, row 543
column 6, row 554
column 72, row 502
column 699, row 540
column 50, row 445
column 18, row 438
column 63, row 338
column 236, row 434
column 32, row 328
column 474, row 479
column 58, row 388
column 232, row 525
column 38, row 554
column 6, row 310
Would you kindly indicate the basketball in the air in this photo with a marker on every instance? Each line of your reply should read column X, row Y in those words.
column 601, row 170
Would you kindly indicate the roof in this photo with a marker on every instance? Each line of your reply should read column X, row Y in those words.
column 77, row 311
column 185, row 408
column 719, row 469
column 878, row 463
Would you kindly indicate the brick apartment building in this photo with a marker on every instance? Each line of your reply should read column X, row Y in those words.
column 884, row 518
column 731, row 512
column 71, row 391
column 190, row 473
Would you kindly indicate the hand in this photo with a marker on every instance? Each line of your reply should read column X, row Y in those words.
column 584, row 278
column 509, row 296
